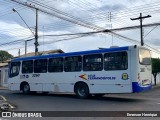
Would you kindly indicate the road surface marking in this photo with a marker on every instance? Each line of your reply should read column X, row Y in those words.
column 12, row 107
column 3, row 98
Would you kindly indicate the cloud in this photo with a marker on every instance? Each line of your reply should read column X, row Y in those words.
column 13, row 30
column 94, row 12
column 110, row 8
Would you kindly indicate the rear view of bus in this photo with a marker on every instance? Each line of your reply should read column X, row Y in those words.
column 144, row 71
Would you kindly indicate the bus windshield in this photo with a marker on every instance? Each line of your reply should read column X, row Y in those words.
column 14, row 69
column 144, row 57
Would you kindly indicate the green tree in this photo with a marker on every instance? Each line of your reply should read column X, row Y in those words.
column 155, row 68
column 4, row 56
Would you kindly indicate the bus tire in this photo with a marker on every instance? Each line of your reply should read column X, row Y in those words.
column 26, row 88
column 82, row 90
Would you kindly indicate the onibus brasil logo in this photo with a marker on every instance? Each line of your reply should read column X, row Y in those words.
column 94, row 77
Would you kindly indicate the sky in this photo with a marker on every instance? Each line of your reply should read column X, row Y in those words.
column 59, row 17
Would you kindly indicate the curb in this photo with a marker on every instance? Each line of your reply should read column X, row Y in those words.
column 156, row 86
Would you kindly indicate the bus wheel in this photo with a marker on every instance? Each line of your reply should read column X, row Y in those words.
column 81, row 90
column 26, row 89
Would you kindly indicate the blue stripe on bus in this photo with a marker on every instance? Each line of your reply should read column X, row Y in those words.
column 72, row 54
column 137, row 88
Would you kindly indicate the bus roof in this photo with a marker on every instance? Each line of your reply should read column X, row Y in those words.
column 72, row 53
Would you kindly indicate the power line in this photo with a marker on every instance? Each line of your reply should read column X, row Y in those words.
column 150, row 31
column 91, row 26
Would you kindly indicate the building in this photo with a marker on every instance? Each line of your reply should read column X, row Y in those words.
column 42, row 53
column 4, row 74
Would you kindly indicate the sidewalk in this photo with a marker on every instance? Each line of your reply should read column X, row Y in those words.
column 3, row 88
column 156, row 86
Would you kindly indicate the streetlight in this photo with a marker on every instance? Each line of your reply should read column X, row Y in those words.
column 36, row 31
column 14, row 10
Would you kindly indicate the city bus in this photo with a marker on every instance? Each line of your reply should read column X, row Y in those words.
column 94, row 72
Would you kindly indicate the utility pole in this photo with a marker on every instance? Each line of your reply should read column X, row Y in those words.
column 26, row 46
column 109, row 19
column 141, row 27
column 36, row 33
column 19, row 52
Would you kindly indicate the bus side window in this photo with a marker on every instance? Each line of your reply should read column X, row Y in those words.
column 55, row 65
column 73, row 64
column 40, row 66
column 92, row 62
column 115, row 61
column 14, row 70
column 27, row 66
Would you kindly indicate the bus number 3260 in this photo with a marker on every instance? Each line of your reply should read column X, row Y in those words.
column 35, row 75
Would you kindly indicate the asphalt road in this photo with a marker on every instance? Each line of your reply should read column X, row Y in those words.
column 147, row 101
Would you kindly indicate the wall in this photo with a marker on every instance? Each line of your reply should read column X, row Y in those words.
column 4, row 76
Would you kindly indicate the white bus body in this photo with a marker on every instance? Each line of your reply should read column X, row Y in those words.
column 112, row 70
